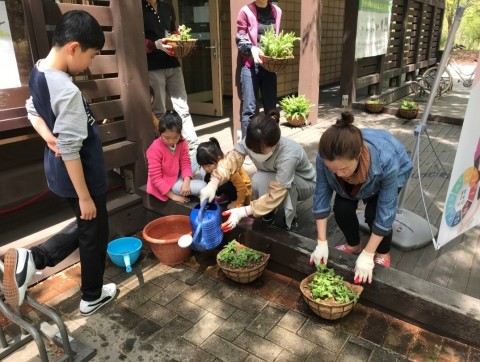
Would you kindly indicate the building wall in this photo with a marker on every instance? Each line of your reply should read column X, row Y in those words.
column 331, row 46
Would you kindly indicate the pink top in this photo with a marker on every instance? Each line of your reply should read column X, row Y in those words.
column 247, row 23
column 165, row 166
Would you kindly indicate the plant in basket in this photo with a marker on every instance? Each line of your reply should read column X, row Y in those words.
column 374, row 105
column 408, row 109
column 296, row 109
column 182, row 42
column 240, row 263
column 328, row 295
column 277, row 49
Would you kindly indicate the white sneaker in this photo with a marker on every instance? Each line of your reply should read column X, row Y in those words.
column 19, row 268
column 108, row 293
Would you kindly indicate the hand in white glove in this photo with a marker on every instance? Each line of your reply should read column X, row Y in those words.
column 320, row 254
column 257, row 54
column 209, row 191
column 234, row 216
column 161, row 45
column 364, row 268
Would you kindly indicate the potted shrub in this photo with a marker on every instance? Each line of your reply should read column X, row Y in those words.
column 328, row 295
column 277, row 49
column 408, row 109
column 240, row 263
column 296, row 109
column 374, row 105
column 182, row 42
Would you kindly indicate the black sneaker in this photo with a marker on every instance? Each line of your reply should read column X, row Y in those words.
column 269, row 218
column 19, row 269
column 108, row 293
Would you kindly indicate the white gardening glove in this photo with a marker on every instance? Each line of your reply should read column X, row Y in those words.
column 257, row 54
column 161, row 45
column 320, row 254
column 364, row 268
column 234, row 217
column 209, row 191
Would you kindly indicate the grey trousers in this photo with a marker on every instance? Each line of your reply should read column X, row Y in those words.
column 300, row 190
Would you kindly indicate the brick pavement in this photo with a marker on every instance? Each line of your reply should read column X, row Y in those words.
column 159, row 316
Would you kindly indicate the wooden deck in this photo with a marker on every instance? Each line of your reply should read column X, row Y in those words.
column 455, row 266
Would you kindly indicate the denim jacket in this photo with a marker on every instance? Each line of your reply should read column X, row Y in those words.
column 390, row 168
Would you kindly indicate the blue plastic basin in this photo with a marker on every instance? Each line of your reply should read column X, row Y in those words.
column 125, row 251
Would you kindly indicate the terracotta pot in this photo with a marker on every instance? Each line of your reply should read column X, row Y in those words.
column 328, row 309
column 163, row 233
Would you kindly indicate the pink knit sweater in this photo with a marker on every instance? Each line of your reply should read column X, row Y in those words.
column 165, row 166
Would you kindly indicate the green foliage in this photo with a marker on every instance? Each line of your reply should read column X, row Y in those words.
column 280, row 46
column 296, row 106
column 183, row 34
column 406, row 104
column 375, row 101
column 238, row 258
column 328, row 286
column 468, row 32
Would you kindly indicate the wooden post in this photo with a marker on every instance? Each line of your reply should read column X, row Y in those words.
column 349, row 64
column 309, row 69
column 235, row 6
column 133, row 75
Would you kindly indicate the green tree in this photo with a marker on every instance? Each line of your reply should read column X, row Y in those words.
column 468, row 33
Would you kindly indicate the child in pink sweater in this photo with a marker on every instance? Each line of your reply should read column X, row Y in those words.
column 169, row 165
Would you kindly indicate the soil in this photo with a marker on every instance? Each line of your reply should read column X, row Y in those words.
column 251, row 265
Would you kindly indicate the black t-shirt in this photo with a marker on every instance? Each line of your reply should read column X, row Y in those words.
column 265, row 20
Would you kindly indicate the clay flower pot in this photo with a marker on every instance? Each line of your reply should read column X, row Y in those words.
column 163, row 233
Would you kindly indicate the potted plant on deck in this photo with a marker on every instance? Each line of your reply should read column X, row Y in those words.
column 296, row 109
column 277, row 49
column 240, row 263
column 182, row 42
column 328, row 295
column 408, row 109
column 374, row 105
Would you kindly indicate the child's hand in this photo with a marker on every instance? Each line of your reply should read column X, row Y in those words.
column 88, row 210
column 179, row 198
column 53, row 148
column 185, row 189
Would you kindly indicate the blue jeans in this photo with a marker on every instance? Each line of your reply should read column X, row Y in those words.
column 251, row 80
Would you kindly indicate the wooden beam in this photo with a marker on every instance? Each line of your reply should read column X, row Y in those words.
column 349, row 64
column 309, row 67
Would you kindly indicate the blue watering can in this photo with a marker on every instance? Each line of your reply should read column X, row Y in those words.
column 205, row 220
column 124, row 252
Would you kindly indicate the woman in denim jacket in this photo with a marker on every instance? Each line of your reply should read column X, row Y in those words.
column 369, row 165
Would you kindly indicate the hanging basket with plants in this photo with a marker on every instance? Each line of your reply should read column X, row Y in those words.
column 296, row 109
column 328, row 295
column 374, row 105
column 408, row 109
column 181, row 42
column 277, row 49
column 240, row 263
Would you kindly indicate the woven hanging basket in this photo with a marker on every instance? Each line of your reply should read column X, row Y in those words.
column 182, row 48
column 243, row 275
column 328, row 309
column 274, row 65
column 374, row 107
column 407, row 113
column 296, row 121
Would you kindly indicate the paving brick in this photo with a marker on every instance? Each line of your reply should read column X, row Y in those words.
column 156, row 313
column 175, row 350
column 290, row 341
column 253, row 358
column 216, row 306
column 426, row 347
column 292, row 321
column 173, row 329
column 201, row 287
column 43, row 292
column 326, row 339
column 257, row 345
column 171, row 292
column 145, row 328
column 375, row 327
column 287, row 356
column 125, row 317
column 246, row 301
column 223, row 290
column 290, row 296
column 354, row 351
column 381, row 355
column 223, row 349
column 234, row 325
column 160, row 278
column 272, row 285
column 186, row 309
column 322, row 354
column 353, row 322
column 453, row 351
column 203, row 329
column 181, row 272
column 399, row 336
column 266, row 320
column 140, row 295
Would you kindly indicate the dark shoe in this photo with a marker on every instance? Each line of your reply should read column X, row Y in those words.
column 19, row 269
column 292, row 227
column 269, row 218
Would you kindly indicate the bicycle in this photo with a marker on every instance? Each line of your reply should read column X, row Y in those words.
column 446, row 80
